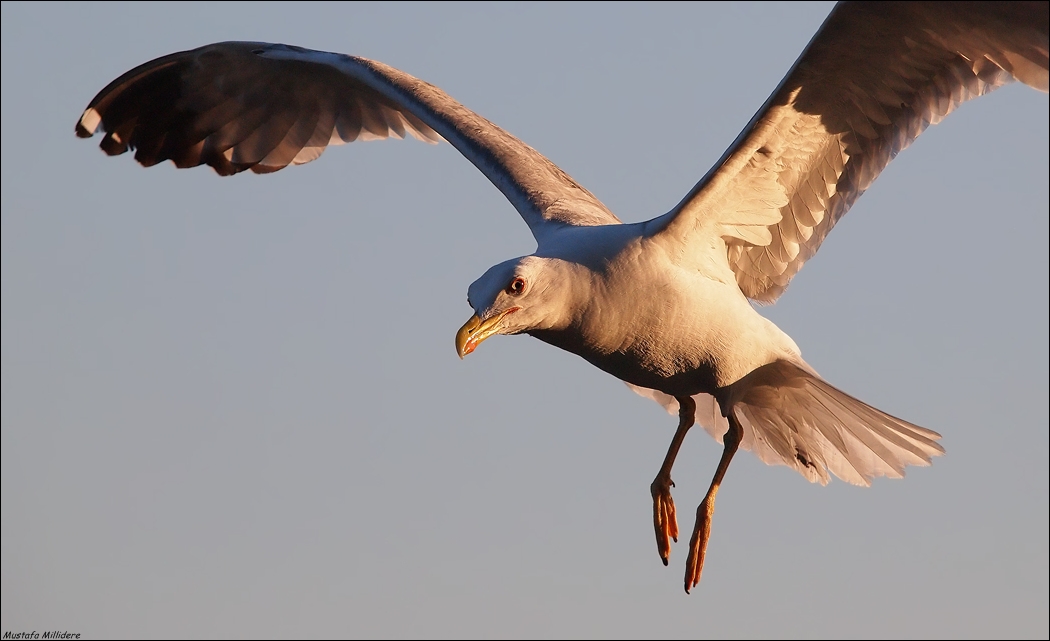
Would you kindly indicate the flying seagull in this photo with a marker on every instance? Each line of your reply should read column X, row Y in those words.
column 666, row 305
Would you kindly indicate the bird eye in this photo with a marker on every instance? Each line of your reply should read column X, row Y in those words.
column 516, row 286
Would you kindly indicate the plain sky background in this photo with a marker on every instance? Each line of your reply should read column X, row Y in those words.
column 232, row 406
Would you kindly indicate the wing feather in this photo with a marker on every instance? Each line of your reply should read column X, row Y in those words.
column 871, row 80
column 241, row 105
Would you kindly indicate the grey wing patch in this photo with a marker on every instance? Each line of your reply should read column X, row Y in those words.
column 872, row 79
column 237, row 106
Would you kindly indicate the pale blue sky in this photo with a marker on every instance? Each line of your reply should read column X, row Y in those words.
column 232, row 407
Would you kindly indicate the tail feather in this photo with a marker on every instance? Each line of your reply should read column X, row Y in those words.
column 793, row 417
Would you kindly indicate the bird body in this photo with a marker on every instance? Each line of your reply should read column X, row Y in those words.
column 666, row 305
column 625, row 304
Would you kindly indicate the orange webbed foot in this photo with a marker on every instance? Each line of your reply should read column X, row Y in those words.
column 694, row 564
column 665, row 522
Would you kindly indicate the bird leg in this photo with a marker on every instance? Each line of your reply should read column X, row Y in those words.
column 694, row 565
column 664, row 520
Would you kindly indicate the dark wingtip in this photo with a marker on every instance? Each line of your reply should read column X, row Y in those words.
column 112, row 145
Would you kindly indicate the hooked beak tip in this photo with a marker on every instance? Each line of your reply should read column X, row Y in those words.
column 474, row 331
column 466, row 339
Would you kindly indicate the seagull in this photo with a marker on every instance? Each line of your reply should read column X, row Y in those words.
column 667, row 305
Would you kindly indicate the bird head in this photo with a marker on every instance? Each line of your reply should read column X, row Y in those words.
column 515, row 296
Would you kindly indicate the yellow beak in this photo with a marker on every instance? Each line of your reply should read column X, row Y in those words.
column 475, row 330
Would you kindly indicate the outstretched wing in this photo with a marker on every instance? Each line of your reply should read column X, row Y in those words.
column 872, row 79
column 258, row 106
